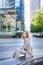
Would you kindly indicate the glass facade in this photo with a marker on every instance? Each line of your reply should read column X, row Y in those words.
column 20, row 13
column 34, row 5
column 11, row 15
column 8, row 21
column 11, row 4
column 7, row 18
column 3, row 4
column 18, row 5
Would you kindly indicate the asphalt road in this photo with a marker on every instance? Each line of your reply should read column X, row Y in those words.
column 8, row 45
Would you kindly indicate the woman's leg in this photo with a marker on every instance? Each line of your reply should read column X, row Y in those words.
column 16, row 54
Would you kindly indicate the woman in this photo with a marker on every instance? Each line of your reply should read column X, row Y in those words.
column 26, row 48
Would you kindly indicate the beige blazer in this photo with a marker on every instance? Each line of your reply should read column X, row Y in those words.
column 27, row 48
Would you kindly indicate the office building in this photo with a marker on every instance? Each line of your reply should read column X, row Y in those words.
column 10, row 4
column 18, row 5
column 20, row 13
column 34, row 5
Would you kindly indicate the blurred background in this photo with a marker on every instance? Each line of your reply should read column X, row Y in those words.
column 17, row 16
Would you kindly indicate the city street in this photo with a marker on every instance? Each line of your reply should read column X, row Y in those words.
column 7, row 46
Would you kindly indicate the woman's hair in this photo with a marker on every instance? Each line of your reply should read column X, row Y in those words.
column 27, row 34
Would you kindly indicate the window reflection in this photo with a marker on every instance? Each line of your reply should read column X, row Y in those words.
column 7, row 20
column 3, row 4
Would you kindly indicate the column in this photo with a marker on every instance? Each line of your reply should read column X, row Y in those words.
column 27, row 14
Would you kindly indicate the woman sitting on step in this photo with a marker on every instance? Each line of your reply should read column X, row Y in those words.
column 26, row 47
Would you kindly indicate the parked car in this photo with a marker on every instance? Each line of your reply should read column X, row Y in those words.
column 39, row 34
column 19, row 34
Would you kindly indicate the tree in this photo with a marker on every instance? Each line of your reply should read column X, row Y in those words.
column 37, row 22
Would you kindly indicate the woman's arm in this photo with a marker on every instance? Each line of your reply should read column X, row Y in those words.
column 26, row 43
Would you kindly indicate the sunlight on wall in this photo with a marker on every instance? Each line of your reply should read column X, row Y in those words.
column 27, row 15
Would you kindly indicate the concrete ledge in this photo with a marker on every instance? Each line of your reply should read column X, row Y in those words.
column 17, row 61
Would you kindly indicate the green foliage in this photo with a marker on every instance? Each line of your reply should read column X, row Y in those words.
column 37, row 22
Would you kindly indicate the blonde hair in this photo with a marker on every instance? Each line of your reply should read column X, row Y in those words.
column 27, row 34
